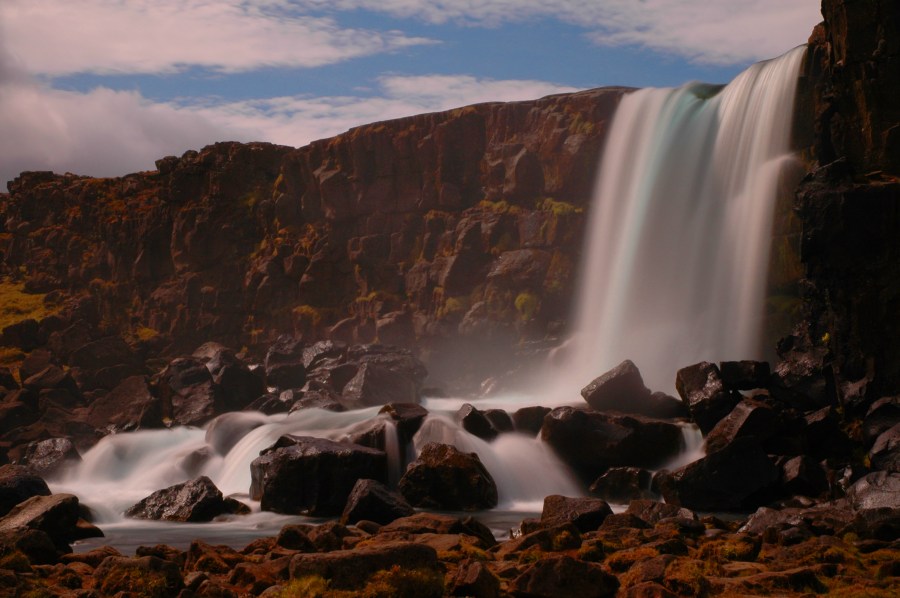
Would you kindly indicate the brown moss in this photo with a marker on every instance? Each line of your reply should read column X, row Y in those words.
column 17, row 305
column 623, row 560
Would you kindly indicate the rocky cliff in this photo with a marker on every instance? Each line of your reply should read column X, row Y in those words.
column 849, row 205
column 463, row 226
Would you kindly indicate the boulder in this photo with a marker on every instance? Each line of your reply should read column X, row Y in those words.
column 312, row 476
column 34, row 362
column 444, row 478
column 528, row 420
column 745, row 375
column 47, row 457
column 188, row 390
column 57, row 515
column 653, row 511
column 473, row 578
column 371, row 500
column 592, row 442
column 883, row 415
column 803, row 379
column 586, row 514
column 874, row 500
column 732, row 479
column 194, row 501
column 284, row 363
column 18, row 483
column 52, row 377
column 500, row 420
column 620, row 389
column 803, row 475
column 103, row 354
column 885, row 453
column 408, row 418
column 383, row 375
column 749, row 418
column 824, row 436
column 228, row 429
column 702, row 389
column 7, row 380
column 129, row 406
column 23, row 334
column 622, row 484
column 562, row 577
column 474, row 422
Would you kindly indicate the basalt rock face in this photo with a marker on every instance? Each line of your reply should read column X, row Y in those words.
column 849, row 204
column 453, row 225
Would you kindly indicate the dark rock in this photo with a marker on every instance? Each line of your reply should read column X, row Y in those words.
column 228, row 429
column 563, row 577
column 187, row 387
column 138, row 576
column 500, row 420
column 285, row 364
column 23, row 334
column 885, row 453
column 592, row 442
column 874, row 499
column 474, row 422
column 444, row 478
column 312, row 476
column 17, row 484
column 314, row 354
column 803, row 379
column 7, row 380
column 295, row 537
column 102, row 353
column 351, row 569
column 883, row 415
column 436, row 523
column 734, row 478
column 473, row 578
column 372, row 501
column 622, row 484
column 317, row 399
column 586, row 514
column 701, row 388
column 529, row 420
column 647, row 589
column 819, row 520
column 35, row 362
column 824, row 436
column 385, row 375
column 619, row 389
column 38, row 546
column 129, row 406
column 749, row 419
column 51, row 377
column 270, row 404
column 194, row 501
column 47, row 457
column 57, row 515
column 408, row 418
column 803, row 475
column 653, row 511
column 744, row 375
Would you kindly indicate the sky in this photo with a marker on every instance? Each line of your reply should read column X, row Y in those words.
column 106, row 87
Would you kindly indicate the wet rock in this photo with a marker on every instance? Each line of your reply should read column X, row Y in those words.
column 194, row 501
column 824, row 436
column 822, row 519
column 744, row 375
column 737, row 477
column 529, row 420
column 701, row 388
column 238, row 383
column 187, row 387
column 803, row 377
column 47, row 457
column 284, row 363
column 372, row 501
column 312, row 476
column 885, row 453
column 500, row 420
column 620, row 389
column 586, row 514
column 408, row 418
column 384, row 375
column 18, row 483
column 228, row 429
column 749, row 419
column 563, row 577
column 444, row 478
column 622, row 484
column 56, row 515
column 874, row 499
column 129, row 406
column 137, row 575
column 436, row 523
column 654, row 511
column 592, row 442
column 474, row 422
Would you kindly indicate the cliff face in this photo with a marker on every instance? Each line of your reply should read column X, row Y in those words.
column 850, row 205
column 458, row 225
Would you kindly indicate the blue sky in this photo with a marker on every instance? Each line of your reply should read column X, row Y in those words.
column 104, row 87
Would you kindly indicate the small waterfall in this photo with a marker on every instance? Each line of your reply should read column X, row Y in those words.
column 678, row 244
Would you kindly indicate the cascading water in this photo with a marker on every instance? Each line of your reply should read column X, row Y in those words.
column 676, row 264
column 675, row 273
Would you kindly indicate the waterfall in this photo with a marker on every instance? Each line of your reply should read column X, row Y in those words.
column 676, row 261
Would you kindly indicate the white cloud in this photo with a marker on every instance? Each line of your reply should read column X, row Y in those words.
column 716, row 32
column 108, row 133
column 58, row 37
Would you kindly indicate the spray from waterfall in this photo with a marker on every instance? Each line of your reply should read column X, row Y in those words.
column 676, row 264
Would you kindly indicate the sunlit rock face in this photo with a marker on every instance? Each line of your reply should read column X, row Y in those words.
column 464, row 224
